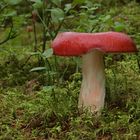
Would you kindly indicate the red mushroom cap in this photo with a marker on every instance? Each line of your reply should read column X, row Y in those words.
column 75, row 44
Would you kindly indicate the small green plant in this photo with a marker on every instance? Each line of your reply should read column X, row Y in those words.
column 7, row 20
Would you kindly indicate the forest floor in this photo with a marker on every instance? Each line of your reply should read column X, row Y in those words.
column 39, row 105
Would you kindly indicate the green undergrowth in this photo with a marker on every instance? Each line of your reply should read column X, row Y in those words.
column 43, row 105
column 51, row 112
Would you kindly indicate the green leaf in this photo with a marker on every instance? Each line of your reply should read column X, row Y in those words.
column 38, row 69
column 12, row 2
column 10, row 13
column 57, row 15
column 56, row 2
column 67, row 7
column 37, row 4
column 48, row 53
column 76, row 2
column 118, row 27
column 106, row 18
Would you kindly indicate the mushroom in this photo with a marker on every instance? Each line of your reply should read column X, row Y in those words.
column 92, row 46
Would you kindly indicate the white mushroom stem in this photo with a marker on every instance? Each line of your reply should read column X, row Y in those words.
column 92, row 92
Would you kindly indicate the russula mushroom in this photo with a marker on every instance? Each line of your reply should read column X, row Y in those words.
column 92, row 46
